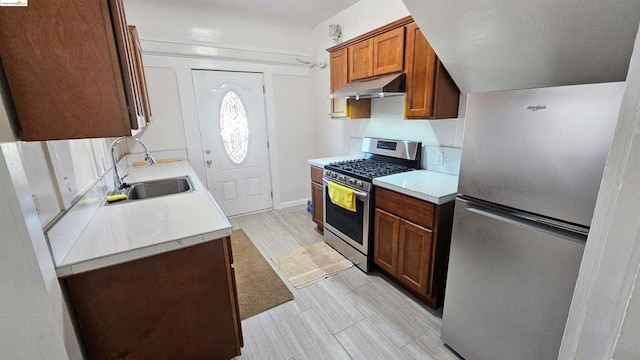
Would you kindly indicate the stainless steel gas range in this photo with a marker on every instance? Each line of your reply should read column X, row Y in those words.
column 351, row 232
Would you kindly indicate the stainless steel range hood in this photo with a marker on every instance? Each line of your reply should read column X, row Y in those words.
column 375, row 87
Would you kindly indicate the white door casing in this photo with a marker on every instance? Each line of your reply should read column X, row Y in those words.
column 231, row 114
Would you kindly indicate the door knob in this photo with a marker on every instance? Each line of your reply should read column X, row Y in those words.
column 209, row 162
column 207, row 151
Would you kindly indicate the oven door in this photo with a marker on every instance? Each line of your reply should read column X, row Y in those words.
column 351, row 227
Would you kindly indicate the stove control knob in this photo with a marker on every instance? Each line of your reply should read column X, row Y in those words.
column 334, row 175
column 359, row 183
column 352, row 181
column 342, row 178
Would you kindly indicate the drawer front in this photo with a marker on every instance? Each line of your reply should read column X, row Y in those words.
column 406, row 207
column 316, row 174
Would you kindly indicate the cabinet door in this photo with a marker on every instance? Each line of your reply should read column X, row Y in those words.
column 341, row 108
column 127, row 64
column 136, row 309
column 360, row 60
column 385, row 241
column 144, row 108
column 317, row 202
column 420, row 66
column 65, row 77
column 388, row 52
column 339, row 78
column 414, row 256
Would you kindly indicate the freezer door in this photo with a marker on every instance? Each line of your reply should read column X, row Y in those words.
column 540, row 150
column 509, row 286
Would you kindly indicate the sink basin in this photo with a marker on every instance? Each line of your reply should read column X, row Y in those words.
column 163, row 187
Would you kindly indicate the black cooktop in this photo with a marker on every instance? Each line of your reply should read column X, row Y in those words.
column 367, row 169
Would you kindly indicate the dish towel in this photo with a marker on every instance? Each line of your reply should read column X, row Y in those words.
column 342, row 196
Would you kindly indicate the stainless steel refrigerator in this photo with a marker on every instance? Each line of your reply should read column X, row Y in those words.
column 532, row 163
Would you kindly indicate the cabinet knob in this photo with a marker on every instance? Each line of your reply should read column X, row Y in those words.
column 207, row 151
column 209, row 162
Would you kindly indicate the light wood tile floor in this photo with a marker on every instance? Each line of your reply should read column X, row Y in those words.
column 351, row 315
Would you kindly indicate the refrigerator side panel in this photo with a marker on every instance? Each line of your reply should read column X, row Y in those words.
column 509, row 288
column 540, row 150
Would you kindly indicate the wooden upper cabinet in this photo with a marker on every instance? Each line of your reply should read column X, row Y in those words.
column 338, row 65
column 343, row 108
column 395, row 47
column 339, row 78
column 68, row 69
column 143, row 107
column 360, row 60
column 431, row 93
column 388, row 52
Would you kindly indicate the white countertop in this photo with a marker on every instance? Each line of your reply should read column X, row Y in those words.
column 321, row 162
column 432, row 186
column 129, row 230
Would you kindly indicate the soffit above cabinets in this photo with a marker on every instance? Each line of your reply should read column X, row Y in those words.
column 491, row 45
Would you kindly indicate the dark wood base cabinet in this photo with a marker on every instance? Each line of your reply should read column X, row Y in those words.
column 317, row 198
column 411, row 243
column 176, row 305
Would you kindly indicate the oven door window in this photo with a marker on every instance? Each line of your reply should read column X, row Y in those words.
column 348, row 222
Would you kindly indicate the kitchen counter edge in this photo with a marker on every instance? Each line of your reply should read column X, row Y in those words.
column 434, row 187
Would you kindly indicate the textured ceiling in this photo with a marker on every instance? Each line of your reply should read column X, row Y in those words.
column 499, row 44
column 300, row 13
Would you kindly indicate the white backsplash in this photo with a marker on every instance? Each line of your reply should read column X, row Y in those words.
column 442, row 159
column 355, row 146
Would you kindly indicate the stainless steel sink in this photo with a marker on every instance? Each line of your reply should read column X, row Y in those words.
column 163, row 187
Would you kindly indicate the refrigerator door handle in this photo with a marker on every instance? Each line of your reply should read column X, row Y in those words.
column 566, row 232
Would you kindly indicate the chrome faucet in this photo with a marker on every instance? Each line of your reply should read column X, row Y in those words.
column 117, row 181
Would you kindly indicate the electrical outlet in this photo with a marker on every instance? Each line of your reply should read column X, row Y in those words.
column 440, row 159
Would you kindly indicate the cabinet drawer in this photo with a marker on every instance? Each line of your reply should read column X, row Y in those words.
column 316, row 174
column 406, row 207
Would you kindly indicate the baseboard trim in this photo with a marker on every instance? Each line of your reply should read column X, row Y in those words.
column 292, row 203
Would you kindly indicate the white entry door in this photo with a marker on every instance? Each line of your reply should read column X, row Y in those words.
column 233, row 127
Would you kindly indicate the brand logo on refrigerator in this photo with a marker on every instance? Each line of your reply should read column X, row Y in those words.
column 536, row 107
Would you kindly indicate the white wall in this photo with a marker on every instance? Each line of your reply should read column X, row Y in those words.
column 228, row 42
column 166, row 131
column 30, row 328
column 604, row 319
column 386, row 114
column 184, row 23
column 41, row 183
column 293, row 104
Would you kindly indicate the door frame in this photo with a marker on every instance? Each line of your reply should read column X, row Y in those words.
column 183, row 65
column 269, row 157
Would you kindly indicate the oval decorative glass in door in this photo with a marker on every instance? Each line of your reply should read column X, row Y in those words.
column 234, row 128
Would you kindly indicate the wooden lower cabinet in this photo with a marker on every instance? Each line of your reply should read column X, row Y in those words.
column 411, row 243
column 385, row 241
column 177, row 305
column 317, row 197
column 414, row 256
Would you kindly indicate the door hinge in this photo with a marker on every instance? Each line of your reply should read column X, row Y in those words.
column 267, row 144
column 272, row 194
column 263, row 90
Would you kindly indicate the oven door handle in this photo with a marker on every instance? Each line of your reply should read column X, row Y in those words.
column 358, row 193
